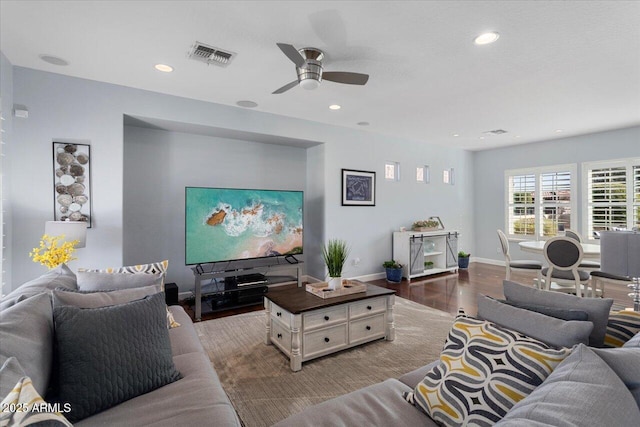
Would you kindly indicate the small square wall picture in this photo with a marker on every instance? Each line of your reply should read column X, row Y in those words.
column 72, row 182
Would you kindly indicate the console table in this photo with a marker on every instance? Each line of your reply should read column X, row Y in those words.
column 201, row 276
column 304, row 326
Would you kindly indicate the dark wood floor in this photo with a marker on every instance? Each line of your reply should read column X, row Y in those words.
column 448, row 292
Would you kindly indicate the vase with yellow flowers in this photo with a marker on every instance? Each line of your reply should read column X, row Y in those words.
column 53, row 251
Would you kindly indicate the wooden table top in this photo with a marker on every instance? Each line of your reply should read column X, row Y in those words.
column 298, row 300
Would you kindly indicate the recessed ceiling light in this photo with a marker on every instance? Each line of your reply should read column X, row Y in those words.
column 482, row 137
column 53, row 60
column 456, row 135
column 486, row 38
column 558, row 130
column 164, row 68
column 247, row 104
column 334, row 107
column 517, row 136
column 363, row 123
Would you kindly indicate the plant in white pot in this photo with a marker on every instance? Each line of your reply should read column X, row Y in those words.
column 335, row 254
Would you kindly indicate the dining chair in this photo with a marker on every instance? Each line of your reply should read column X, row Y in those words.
column 600, row 278
column 564, row 255
column 585, row 264
column 524, row 265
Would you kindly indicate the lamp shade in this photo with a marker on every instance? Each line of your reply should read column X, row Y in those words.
column 72, row 230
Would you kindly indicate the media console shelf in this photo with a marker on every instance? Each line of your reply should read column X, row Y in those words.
column 203, row 273
column 415, row 249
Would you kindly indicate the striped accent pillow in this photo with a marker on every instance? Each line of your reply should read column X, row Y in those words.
column 24, row 406
column 484, row 370
column 621, row 327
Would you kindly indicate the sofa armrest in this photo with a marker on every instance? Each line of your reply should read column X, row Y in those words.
column 412, row 378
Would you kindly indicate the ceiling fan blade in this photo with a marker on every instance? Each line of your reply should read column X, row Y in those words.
column 292, row 53
column 285, row 87
column 345, row 77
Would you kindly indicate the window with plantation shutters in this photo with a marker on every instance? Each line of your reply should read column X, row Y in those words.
column 540, row 201
column 612, row 195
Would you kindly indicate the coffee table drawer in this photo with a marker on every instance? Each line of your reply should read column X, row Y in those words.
column 367, row 307
column 325, row 317
column 281, row 336
column 366, row 329
column 324, row 341
column 280, row 314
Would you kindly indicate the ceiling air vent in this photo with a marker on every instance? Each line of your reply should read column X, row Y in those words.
column 210, row 55
column 496, row 132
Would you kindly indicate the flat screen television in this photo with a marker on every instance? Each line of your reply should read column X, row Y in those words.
column 225, row 224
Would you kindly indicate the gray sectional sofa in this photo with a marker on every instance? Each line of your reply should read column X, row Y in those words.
column 591, row 386
column 26, row 336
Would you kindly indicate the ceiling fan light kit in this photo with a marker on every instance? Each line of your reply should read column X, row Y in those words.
column 310, row 72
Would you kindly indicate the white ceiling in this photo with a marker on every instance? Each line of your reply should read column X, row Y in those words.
column 570, row 65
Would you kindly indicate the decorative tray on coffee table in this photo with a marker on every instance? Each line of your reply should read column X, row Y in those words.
column 322, row 290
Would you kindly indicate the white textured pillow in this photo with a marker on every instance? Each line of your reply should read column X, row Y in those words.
column 98, row 281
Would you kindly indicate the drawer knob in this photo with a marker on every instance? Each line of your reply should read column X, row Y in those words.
column 279, row 335
column 326, row 317
column 279, row 314
column 326, row 339
column 369, row 307
column 368, row 328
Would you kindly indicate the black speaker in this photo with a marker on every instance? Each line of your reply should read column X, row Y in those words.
column 171, row 293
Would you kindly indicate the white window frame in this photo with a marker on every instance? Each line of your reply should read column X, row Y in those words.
column 631, row 204
column 395, row 166
column 539, row 204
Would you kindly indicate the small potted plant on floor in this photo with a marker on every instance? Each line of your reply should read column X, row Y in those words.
column 334, row 255
column 463, row 259
column 393, row 270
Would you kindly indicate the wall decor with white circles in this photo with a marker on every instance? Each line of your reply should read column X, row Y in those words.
column 72, row 182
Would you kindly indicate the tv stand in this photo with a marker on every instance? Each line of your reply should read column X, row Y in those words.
column 242, row 281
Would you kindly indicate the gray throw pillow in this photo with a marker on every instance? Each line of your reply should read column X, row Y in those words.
column 558, row 313
column 99, row 281
column 26, row 332
column 61, row 276
column 10, row 374
column 633, row 342
column 582, row 391
column 108, row 355
column 95, row 299
column 597, row 308
column 550, row 330
column 625, row 362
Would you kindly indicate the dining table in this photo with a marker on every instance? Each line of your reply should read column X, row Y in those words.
column 590, row 250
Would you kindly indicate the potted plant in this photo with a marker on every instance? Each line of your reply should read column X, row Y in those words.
column 334, row 255
column 393, row 270
column 425, row 225
column 463, row 259
column 428, row 265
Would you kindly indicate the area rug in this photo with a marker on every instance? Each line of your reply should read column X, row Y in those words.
column 264, row 390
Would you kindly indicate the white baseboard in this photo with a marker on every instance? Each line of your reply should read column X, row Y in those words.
column 488, row 261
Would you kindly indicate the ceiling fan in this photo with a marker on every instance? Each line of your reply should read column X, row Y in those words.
column 308, row 62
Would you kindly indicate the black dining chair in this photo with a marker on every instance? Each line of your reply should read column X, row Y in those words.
column 588, row 265
column 564, row 255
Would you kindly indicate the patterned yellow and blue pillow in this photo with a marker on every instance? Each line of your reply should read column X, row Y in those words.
column 24, row 406
column 621, row 327
column 484, row 370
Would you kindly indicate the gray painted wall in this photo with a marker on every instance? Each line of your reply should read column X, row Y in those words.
column 491, row 164
column 69, row 108
column 6, row 93
column 158, row 165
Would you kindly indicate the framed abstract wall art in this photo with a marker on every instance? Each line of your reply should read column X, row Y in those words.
column 72, row 182
column 358, row 188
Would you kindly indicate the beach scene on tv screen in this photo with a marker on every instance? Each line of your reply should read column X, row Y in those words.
column 228, row 224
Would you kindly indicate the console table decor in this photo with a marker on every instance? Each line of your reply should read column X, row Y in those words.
column 306, row 327
column 322, row 290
